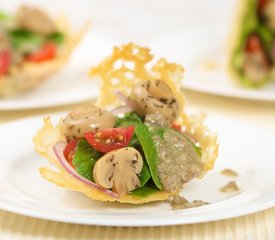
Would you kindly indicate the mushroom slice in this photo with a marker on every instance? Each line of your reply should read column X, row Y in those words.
column 85, row 119
column 155, row 97
column 119, row 170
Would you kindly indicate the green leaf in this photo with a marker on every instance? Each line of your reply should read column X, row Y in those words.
column 85, row 158
column 144, row 191
column 144, row 175
column 134, row 142
column 25, row 40
column 158, row 131
column 129, row 119
column 145, row 138
column 57, row 37
column 266, row 35
column 196, row 148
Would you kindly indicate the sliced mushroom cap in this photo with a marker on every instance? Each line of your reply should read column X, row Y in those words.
column 34, row 20
column 119, row 170
column 85, row 119
column 155, row 97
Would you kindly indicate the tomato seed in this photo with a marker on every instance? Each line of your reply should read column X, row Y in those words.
column 120, row 137
column 98, row 134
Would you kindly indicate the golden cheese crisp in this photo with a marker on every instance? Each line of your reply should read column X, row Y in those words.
column 128, row 65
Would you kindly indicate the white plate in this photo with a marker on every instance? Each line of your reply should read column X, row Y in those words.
column 202, row 51
column 215, row 79
column 248, row 149
column 71, row 84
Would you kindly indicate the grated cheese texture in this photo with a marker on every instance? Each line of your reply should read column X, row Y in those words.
column 129, row 64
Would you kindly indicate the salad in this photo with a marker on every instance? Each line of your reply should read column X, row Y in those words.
column 135, row 144
column 253, row 55
column 32, row 47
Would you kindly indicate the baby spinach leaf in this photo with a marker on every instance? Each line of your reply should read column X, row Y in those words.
column 57, row 37
column 196, row 148
column 145, row 138
column 85, row 158
column 142, row 140
column 23, row 39
column 145, row 191
column 134, row 142
column 144, row 175
column 158, row 131
column 129, row 119
column 133, row 119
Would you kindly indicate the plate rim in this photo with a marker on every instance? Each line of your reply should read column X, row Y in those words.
column 140, row 223
column 239, row 94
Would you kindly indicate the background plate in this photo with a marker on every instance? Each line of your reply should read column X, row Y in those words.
column 23, row 191
column 71, row 84
column 203, row 53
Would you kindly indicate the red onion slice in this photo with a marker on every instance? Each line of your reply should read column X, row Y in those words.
column 121, row 110
column 58, row 150
column 125, row 99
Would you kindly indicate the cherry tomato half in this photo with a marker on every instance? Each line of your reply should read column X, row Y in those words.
column 48, row 51
column 176, row 127
column 261, row 5
column 106, row 140
column 5, row 60
column 253, row 44
column 69, row 151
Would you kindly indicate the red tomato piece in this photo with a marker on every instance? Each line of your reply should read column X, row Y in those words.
column 5, row 60
column 253, row 44
column 106, row 140
column 262, row 4
column 47, row 52
column 69, row 151
column 176, row 126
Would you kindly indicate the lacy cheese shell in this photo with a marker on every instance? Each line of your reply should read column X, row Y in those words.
column 129, row 64
column 30, row 74
column 49, row 135
column 132, row 61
